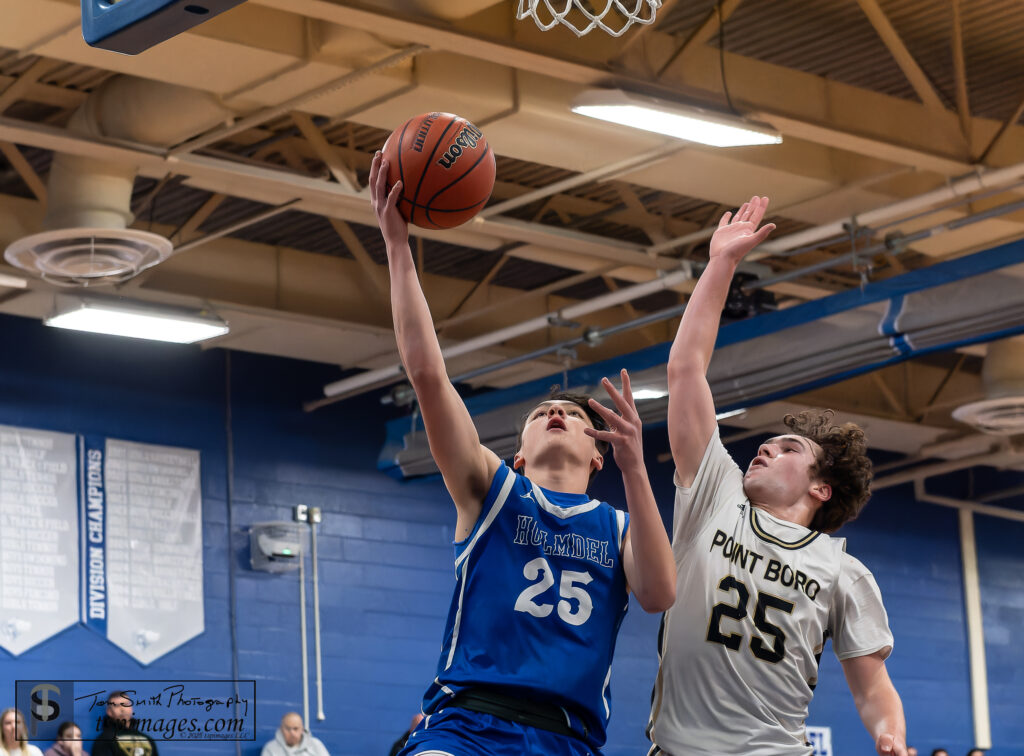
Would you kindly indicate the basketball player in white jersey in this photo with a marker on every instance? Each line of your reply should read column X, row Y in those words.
column 760, row 586
column 542, row 570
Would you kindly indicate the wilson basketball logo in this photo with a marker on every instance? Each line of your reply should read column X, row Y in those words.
column 421, row 133
column 466, row 140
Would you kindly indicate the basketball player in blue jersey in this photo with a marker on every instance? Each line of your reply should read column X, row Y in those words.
column 760, row 585
column 542, row 570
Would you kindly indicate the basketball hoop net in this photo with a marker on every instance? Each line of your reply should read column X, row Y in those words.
column 582, row 16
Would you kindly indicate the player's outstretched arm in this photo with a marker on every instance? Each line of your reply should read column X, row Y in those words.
column 878, row 703
column 691, row 408
column 467, row 467
column 647, row 555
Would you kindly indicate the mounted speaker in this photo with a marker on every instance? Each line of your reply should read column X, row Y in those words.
column 132, row 26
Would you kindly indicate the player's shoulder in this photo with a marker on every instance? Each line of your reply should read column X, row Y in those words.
column 851, row 569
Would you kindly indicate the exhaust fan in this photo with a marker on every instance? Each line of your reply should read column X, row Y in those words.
column 1002, row 412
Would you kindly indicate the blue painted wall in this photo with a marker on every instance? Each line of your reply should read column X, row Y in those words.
column 1001, row 572
column 385, row 553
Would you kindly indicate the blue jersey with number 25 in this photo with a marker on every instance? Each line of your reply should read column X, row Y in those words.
column 540, row 593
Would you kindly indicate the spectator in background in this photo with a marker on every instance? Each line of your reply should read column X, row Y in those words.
column 940, row 752
column 911, row 751
column 975, row 752
column 399, row 744
column 293, row 739
column 14, row 736
column 119, row 736
column 69, row 741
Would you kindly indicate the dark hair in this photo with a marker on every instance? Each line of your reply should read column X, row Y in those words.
column 843, row 464
column 580, row 400
column 937, row 751
column 119, row 694
column 64, row 727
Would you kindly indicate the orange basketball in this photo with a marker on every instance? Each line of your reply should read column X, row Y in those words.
column 446, row 168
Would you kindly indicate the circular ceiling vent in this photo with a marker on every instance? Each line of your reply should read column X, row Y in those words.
column 1003, row 416
column 88, row 256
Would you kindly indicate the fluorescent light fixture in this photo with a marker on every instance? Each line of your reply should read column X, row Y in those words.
column 673, row 119
column 647, row 393
column 137, row 321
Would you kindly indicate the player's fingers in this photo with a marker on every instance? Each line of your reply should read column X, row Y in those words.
column 610, row 436
column 725, row 220
column 627, row 388
column 375, row 167
column 885, row 744
column 381, row 187
column 758, row 211
column 620, row 402
column 763, row 233
column 396, row 192
column 743, row 213
column 606, row 414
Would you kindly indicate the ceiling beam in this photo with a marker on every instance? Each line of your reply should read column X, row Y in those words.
column 650, row 223
column 479, row 286
column 249, row 220
column 630, row 311
column 894, row 43
column 763, row 88
column 18, row 88
column 711, row 26
column 48, row 94
column 963, row 103
column 199, row 217
column 25, row 170
column 603, row 173
column 372, row 270
column 325, row 151
column 317, row 196
column 441, row 35
column 518, row 301
column 640, row 31
column 269, row 113
column 1004, row 130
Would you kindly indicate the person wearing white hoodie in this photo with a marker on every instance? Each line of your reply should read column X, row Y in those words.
column 292, row 739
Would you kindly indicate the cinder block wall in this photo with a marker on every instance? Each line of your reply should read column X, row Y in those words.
column 386, row 560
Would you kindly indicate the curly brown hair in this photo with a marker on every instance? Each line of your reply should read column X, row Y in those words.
column 843, row 464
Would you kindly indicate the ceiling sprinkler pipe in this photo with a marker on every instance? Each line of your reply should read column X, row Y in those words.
column 591, row 337
column 895, row 243
column 967, row 185
column 371, row 377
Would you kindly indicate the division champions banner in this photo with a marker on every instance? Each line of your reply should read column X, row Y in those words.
column 142, row 545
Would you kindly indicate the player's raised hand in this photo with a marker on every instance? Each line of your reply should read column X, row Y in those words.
column 890, row 745
column 385, row 204
column 737, row 234
column 624, row 429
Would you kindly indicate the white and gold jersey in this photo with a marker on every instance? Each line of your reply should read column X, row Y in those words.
column 756, row 598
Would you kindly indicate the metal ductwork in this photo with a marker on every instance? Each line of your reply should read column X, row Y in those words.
column 957, row 302
column 1002, row 373
column 86, row 241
